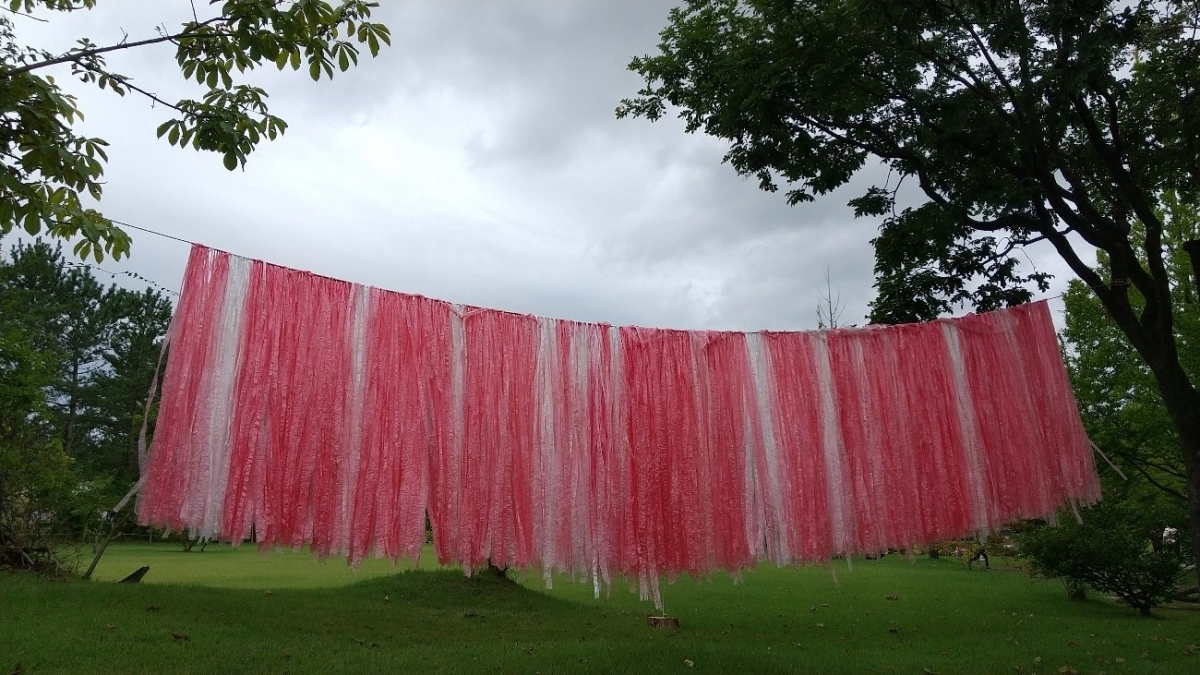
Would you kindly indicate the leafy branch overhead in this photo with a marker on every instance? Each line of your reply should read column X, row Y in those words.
column 48, row 172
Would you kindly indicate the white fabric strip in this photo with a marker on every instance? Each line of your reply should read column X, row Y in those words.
column 221, row 395
column 583, row 550
column 833, row 448
column 977, row 475
column 458, row 387
column 618, row 442
column 546, row 377
column 360, row 299
column 774, row 518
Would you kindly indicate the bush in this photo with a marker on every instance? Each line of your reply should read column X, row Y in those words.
column 1114, row 550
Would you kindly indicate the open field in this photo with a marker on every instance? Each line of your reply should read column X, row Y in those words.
column 230, row 611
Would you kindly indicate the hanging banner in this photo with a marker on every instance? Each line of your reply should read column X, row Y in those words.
column 312, row 411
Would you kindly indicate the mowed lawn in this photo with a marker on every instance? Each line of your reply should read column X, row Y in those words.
column 233, row 611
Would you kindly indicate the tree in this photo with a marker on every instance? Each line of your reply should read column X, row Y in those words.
column 115, row 395
column 1118, row 399
column 76, row 360
column 47, row 171
column 35, row 474
column 67, row 315
column 1018, row 121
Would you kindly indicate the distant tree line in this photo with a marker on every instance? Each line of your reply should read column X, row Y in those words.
column 76, row 361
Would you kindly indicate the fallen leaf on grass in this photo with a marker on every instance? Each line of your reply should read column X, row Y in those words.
column 1191, row 649
column 1067, row 670
column 180, row 637
column 1119, row 659
column 689, row 663
column 267, row 592
column 820, row 625
column 386, row 599
column 109, row 626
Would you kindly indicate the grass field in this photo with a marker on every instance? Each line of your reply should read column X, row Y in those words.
column 232, row 611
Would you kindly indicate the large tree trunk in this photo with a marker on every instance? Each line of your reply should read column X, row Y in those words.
column 1193, row 475
column 1189, row 445
column 1182, row 401
column 1188, row 424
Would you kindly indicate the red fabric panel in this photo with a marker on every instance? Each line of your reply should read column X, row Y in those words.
column 589, row 449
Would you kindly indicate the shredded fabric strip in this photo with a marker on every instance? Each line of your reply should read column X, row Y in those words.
column 302, row 410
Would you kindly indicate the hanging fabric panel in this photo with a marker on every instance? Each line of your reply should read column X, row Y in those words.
column 301, row 410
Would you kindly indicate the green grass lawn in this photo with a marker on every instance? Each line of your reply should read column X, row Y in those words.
column 232, row 611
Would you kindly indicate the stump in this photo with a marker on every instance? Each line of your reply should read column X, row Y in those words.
column 667, row 622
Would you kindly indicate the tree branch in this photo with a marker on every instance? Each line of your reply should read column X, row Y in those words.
column 88, row 53
column 124, row 82
column 1165, row 488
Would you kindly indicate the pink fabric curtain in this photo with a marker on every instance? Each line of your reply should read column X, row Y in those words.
column 314, row 411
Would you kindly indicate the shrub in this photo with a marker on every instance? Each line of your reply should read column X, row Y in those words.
column 1113, row 551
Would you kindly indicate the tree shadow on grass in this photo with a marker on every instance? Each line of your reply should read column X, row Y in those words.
column 447, row 587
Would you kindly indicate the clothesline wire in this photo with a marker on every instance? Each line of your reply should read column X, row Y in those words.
column 192, row 243
column 149, row 231
column 131, row 275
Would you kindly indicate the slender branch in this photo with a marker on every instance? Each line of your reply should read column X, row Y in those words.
column 87, row 53
column 24, row 15
column 987, row 55
column 124, row 82
column 1165, row 488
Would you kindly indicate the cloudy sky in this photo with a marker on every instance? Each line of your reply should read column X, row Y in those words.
column 478, row 160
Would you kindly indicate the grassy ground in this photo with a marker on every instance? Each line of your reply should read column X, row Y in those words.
column 226, row 611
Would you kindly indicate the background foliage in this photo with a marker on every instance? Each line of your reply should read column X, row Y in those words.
column 77, row 360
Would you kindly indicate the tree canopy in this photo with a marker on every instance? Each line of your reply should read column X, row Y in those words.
column 50, row 175
column 1018, row 121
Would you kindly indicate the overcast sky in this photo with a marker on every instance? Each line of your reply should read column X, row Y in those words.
column 478, row 160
